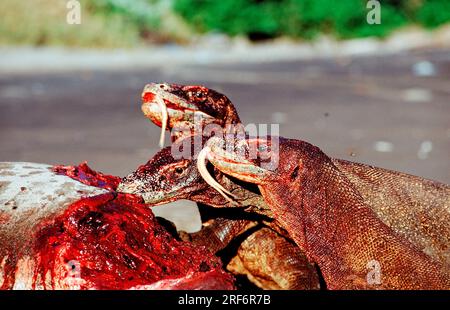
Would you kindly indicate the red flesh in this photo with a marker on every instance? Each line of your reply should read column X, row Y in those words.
column 117, row 243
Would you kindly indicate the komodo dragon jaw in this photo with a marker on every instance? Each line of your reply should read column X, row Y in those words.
column 234, row 164
column 163, row 179
column 186, row 108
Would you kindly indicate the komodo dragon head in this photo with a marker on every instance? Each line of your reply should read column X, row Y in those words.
column 181, row 108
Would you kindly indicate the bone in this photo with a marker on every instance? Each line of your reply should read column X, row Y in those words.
column 165, row 119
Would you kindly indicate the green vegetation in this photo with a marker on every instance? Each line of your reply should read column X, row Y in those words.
column 308, row 18
column 434, row 13
column 128, row 23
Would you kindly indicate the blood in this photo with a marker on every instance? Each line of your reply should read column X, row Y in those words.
column 118, row 244
column 86, row 175
column 114, row 241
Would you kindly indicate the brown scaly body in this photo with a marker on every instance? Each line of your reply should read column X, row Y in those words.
column 267, row 258
column 289, row 268
column 328, row 217
column 416, row 208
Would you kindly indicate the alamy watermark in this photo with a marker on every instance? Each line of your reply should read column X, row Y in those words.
column 374, row 275
column 73, row 16
column 73, row 280
column 373, row 17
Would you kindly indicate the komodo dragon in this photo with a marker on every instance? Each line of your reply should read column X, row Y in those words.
column 405, row 207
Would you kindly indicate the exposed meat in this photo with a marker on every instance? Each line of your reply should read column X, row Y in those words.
column 117, row 244
column 82, row 237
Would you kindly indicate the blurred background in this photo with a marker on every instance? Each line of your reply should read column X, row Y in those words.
column 377, row 94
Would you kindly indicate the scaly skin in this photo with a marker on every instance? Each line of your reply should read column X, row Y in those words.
column 414, row 208
column 267, row 258
column 189, row 107
column 404, row 208
column 329, row 218
column 167, row 179
column 190, row 110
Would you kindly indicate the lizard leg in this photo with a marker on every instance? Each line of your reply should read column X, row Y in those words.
column 267, row 259
column 270, row 261
column 216, row 234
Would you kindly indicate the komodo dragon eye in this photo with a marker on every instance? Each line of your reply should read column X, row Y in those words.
column 199, row 95
column 179, row 170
